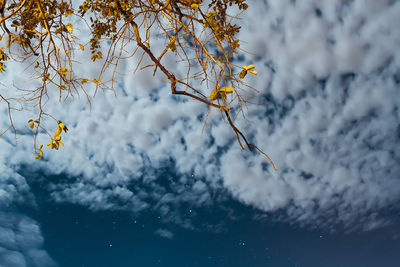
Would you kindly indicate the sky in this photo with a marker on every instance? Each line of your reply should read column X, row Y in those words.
column 138, row 184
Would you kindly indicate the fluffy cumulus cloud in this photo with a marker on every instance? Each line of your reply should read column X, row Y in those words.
column 329, row 75
column 21, row 242
column 334, row 121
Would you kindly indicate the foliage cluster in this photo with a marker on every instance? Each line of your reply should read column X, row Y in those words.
column 201, row 34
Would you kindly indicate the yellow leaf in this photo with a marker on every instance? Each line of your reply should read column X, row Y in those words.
column 248, row 67
column 226, row 90
column 82, row 47
column 61, row 143
column 2, row 67
column 253, row 72
column 97, row 81
column 37, row 65
column 37, row 157
column 69, row 27
column 31, row 124
column 46, row 77
column 69, row 12
column 214, row 94
column 194, row 6
column 62, row 126
column 58, row 131
column 242, row 74
column 64, row 71
column 2, row 55
column 57, row 138
column 211, row 13
column 96, row 56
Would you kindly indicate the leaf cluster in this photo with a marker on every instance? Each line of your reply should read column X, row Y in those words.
column 201, row 35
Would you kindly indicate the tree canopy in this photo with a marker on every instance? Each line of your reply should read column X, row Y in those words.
column 201, row 34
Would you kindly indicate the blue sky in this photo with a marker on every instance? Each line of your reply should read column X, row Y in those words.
column 328, row 76
column 76, row 236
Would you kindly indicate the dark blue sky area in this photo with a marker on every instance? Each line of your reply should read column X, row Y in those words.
column 76, row 236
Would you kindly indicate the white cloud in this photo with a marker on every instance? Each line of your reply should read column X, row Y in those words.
column 164, row 233
column 330, row 123
column 21, row 242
